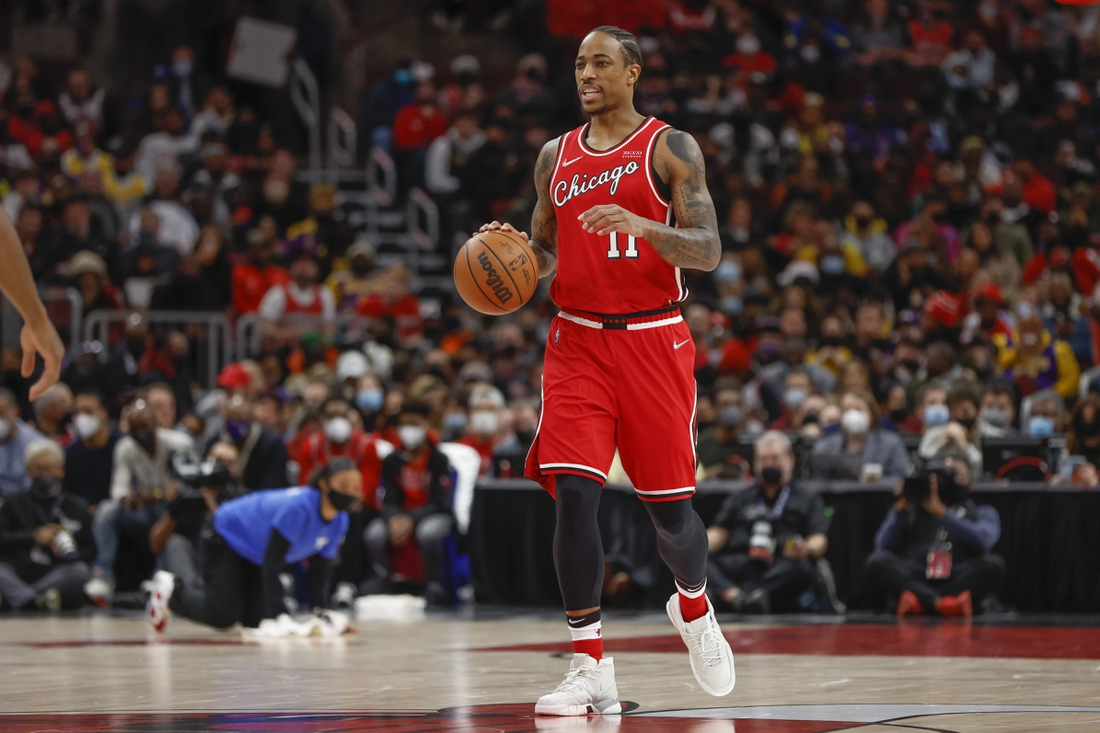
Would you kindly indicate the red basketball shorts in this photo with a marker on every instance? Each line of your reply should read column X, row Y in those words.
column 633, row 388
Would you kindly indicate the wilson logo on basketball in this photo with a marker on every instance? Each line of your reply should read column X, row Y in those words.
column 493, row 279
column 581, row 184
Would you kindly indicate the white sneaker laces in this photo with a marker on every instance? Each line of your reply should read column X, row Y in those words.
column 707, row 643
column 575, row 678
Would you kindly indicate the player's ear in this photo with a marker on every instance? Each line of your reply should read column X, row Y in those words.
column 633, row 72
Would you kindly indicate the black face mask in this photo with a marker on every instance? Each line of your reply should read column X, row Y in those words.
column 136, row 346
column 340, row 501
column 771, row 476
column 967, row 423
column 146, row 438
column 46, row 485
column 899, row 415
column 863, row 222
column 361, row 268
column 1089, row 429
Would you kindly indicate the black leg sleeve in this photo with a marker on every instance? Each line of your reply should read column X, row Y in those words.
column 578, row 550
column 681, row 539
column 274, row 562
column 317, row 580
column 894, row 574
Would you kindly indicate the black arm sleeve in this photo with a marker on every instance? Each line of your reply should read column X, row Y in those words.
column 274, row 562
column 393, row 501
column 317, row 578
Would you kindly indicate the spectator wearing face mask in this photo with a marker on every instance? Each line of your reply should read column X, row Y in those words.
column 339, row 438
column 796, row 388
column 15, row 436
column 998, row 411
column 416, row 477
column 359, row 281
column 878, row 453
column 261, row 454
column 765, row 538
column 718, row 455
column 139, row 480
column 51, row 413
column 90, row 458
column 961, row 433
column 45, row 537
column 1047, row 416
column 483, row 426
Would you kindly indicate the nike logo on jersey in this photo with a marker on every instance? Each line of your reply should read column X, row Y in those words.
column 564, row 192
column 567, row 163
column 321, row 542
column 678, row 345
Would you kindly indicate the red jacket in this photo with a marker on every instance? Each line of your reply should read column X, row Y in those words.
column 250, row 283
column 416, row 126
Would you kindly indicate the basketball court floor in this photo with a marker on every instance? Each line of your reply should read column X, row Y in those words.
column 480, row 672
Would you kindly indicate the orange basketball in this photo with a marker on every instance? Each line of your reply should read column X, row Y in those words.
column 496, row 272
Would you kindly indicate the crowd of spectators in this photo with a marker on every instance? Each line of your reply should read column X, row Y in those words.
column 910, row 220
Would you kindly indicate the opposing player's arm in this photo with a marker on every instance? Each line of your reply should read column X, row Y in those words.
column 544, row 224
column 694, row 243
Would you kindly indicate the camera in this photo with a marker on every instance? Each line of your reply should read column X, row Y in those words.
column 195, row 474
column 762, row 542
column 64, row 546
column 918, row 488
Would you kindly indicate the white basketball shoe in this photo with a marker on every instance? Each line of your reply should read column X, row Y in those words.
column 157, row 613
column 710, row 653
column 588, row 687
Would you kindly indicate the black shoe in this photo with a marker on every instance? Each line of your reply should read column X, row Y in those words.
column 436, row 595
column 756, row 602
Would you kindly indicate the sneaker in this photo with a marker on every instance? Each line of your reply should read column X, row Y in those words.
column 100, row 590
column 344, row 597
column 909, row 604
column 49, row 601
column 588, row 687
column 157, row 613
column 960, row 605
column 710, row 653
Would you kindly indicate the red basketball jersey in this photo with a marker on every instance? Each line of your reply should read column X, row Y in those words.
column 613, row 273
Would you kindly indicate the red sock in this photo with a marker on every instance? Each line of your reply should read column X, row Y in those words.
column 693, row 601
column 587, row 635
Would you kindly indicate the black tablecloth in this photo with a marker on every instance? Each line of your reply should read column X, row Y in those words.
column 1050, row 539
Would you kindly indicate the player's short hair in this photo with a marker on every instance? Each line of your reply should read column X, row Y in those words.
column 628, row 42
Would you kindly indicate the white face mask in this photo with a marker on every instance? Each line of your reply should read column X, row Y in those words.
column 855, row 422
column 5, row 428
column 412, row 436
column 484, row 422
column 810, row 54
column 86, row 425
column 338, row 429
column 748, row 45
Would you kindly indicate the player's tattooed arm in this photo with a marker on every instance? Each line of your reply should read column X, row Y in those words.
column 694, row 243
column 544, row 225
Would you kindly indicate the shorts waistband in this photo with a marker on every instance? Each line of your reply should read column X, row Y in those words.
column 625, row 321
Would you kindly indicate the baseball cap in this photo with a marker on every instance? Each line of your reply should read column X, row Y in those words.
column 943, row 308
column 233, row 376
column 351, row 365
column 989, row 292
column 85, row 261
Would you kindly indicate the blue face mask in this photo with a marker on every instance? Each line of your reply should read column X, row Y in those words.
column 182, row 68
column 727, row 272
column 370, row 400
column 403, row 76
column 237, row 430
column 936, row 415
column 832, row 264
column 1040, row 427
column 731, row 305
column 455, row 421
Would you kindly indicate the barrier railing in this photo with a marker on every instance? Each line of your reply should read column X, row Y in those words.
column 254, row 335
column 209, row 336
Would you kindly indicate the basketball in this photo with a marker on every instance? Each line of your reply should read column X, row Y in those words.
column 496, row 272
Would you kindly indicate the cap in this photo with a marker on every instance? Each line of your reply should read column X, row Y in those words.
column 466, row 63
column 798, row 269
column 352, row 365
column 989, row 292
column 84, row 262
column 360, row 248
column 475, row 371
column 233, row 376
column 943, row 308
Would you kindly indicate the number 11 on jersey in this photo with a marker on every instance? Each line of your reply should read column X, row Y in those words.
column 631, row 247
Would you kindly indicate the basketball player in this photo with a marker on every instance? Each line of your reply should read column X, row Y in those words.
column 38, row 334
column 622, row 207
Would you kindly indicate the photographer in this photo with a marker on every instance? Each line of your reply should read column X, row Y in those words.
column 933, row 549
column 766, row 538
column 45, row 537
column 249, row 543
column 204, row 487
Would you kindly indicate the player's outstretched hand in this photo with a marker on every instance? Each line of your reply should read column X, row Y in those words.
column 41, row 338
column 496, row 226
